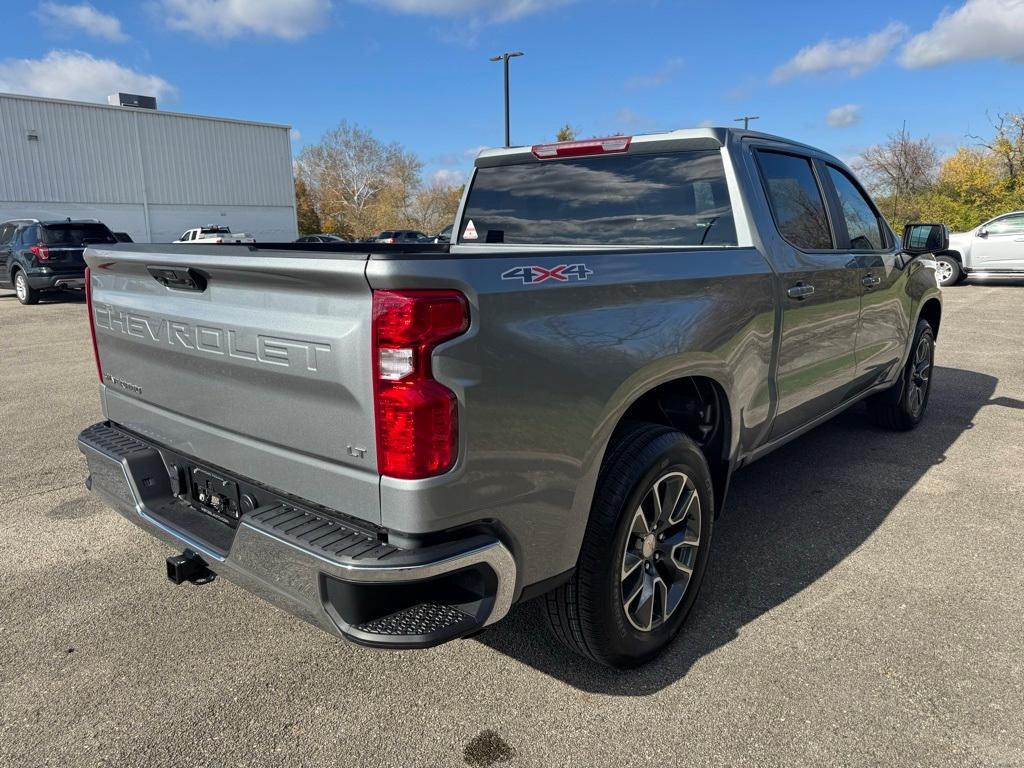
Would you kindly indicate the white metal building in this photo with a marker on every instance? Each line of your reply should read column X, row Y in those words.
column 149, row 173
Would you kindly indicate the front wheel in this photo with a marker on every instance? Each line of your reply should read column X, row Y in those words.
column 913, row 387
column 644, row 553
column 947, row 270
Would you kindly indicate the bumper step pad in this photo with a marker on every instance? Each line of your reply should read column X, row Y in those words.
column 420, row 621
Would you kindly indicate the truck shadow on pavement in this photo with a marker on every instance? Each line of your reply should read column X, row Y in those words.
column 790, row 518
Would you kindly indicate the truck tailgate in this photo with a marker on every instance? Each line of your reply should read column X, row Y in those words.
column 261, row 366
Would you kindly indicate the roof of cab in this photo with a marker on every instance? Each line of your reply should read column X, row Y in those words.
column 693, row 138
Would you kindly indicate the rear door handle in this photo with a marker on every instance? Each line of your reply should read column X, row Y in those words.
column 871, row 281
column 800, row 291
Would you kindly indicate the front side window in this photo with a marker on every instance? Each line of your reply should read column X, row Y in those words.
column 797, row 203
column 672, row 198
column 862, row 223
column 1008, row 225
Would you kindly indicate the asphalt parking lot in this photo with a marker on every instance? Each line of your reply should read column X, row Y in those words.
column 864, row 606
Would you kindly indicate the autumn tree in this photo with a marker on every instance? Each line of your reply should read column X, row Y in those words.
column 1007, row 146
column 358, row 183
column 305, row 209
column 566, row 133
column 435, row 205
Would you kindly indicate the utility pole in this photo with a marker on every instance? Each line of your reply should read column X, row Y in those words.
column 504, row 57
column 746, row 120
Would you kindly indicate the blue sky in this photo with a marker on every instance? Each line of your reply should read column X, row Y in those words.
column 837, row 75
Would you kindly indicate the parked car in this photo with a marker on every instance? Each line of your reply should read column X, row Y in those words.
column 321, row 239
column 123, row 237
column 445, row 235
column 215, row 235
column 391, row 236
column 38, row 256
column 992, row 249
column 556, row 401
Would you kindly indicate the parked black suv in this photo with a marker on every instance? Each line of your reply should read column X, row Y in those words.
column 38, row 256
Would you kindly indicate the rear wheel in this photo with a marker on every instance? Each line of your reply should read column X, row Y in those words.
column 947, row 270
column 644, row 553
column 914, row 386
column 26, row 293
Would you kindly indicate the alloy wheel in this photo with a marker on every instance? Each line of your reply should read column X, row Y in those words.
column 944, row 271
column 920, row 375
column 660, row 552
column 21, row 286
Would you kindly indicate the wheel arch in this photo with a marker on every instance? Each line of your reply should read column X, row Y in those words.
column 698, row 405
column 931, row 311
column 952, row 253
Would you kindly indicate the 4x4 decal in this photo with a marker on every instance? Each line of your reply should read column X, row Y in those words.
column 531, row 275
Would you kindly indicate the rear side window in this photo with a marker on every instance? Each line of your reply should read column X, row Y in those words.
column 797, row 203
column 677, row 198
column 6, row 233
column 77, row 234
column 862, row 224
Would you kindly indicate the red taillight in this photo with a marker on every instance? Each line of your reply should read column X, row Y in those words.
column 92, row 322
column 610, row 146
column 417, row 417
column 41, row 252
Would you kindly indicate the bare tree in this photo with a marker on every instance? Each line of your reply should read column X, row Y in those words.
column 1007, row 146
column 899, row 168
column 357, row 181
column 434, row 206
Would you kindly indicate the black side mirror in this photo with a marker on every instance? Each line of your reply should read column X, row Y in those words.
column 919, row 239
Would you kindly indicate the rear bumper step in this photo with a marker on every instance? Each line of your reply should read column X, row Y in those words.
column 319, row 566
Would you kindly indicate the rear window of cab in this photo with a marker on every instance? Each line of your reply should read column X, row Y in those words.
column 664, row 199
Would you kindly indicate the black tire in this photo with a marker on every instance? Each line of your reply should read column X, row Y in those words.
column 25, row 292
column 903, row 407
column 949, row 272
column 590, row 614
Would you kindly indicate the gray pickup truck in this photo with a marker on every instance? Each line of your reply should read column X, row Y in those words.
column 398, row 443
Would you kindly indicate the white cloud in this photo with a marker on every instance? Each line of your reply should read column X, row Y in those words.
column 493, row 10
column 843, row 116
column 295, row 134
column 217, row 19
column 662, row 76
column 472, row 152
column 449, row 178
column 76, row 75
column 979, row 29
column 85, row 18
column 853, row 55
column 706, row 124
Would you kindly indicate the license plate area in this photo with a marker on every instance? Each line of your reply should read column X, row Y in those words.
column 216, row 495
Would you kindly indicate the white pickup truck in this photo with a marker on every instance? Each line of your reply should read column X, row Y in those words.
column 215, row 235
column 992, row 249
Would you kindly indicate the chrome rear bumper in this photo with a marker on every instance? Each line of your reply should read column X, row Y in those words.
column 317, row 566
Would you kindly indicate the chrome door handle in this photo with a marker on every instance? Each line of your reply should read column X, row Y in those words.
column 800, row 291
column 871, row 281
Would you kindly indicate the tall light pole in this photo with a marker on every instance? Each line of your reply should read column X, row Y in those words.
column 746, row 120
column 505, row 57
